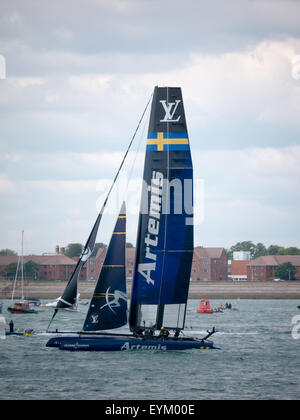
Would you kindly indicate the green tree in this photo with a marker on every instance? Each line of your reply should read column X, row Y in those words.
column 292, row 250
column 242, row 246
column 286, row 271
column 31, row 269
column 10, row 270
column 129, row 245
column 7, row 252
column 97, row 246
column 259, row 250
column 73, row 250
column 276, row 250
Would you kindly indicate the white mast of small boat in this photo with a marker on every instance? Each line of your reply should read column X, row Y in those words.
column 20, row 259
column 22, row 269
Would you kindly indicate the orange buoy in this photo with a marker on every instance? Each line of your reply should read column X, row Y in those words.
column 204, row 307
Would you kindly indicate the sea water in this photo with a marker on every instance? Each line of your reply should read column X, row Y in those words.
column 258, row 358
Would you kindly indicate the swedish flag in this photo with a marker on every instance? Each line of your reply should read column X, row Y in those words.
column 163, row 141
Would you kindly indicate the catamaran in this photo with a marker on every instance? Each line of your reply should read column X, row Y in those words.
column 164, row 251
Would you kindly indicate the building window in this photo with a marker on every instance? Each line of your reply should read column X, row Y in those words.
column 205, row 262
column 205, row 270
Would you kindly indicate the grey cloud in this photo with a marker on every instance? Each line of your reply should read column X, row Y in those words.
column 92, row 26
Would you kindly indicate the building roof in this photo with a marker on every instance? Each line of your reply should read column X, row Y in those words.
column 208, row 252
column 274, row 260
column 39, row 259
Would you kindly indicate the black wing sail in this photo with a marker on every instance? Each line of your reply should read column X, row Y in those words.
column 164, row 249
column 69, row 295
column 108, row 307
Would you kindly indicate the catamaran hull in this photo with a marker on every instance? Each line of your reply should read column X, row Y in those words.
column 125, row 344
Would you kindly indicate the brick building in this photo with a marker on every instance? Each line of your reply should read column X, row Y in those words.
column 263, row 268
column 208, row 264
column 93, row 265
column 52, row 267
column 238, row 270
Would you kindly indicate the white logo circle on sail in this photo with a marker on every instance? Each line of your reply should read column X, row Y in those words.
column 86, row 254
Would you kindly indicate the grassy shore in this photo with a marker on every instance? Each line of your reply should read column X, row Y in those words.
column 212, row 290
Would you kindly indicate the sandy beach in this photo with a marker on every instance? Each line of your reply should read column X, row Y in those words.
column 212, row 290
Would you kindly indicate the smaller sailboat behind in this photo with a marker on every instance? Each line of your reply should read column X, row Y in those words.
column 22, row 306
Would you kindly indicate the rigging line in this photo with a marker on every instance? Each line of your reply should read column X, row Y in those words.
column 22, row 266
column 127, row 151
column 16, row 276
column 135, row 157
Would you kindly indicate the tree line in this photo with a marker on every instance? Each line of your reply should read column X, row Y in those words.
column 30, row 270
column 75, row 249
column 259, row 249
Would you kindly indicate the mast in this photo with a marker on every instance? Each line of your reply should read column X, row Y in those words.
column 164, row 248
column 108, row 307
column 15, row 281
column 22, row 267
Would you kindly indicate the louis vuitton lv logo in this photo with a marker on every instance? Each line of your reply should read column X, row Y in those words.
column 170, row 109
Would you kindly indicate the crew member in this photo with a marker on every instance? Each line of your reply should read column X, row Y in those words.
column 163, row 333
column 176, row 334
column 11, row 326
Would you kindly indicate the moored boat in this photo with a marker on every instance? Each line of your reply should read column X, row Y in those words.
column 22, row 307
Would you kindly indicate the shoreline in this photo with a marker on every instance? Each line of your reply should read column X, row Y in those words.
column 212, row 290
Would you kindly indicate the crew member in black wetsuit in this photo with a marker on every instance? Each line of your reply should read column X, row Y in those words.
column 11, row 326
column 176, row 334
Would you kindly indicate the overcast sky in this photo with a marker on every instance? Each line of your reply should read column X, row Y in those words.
column 78, row 76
